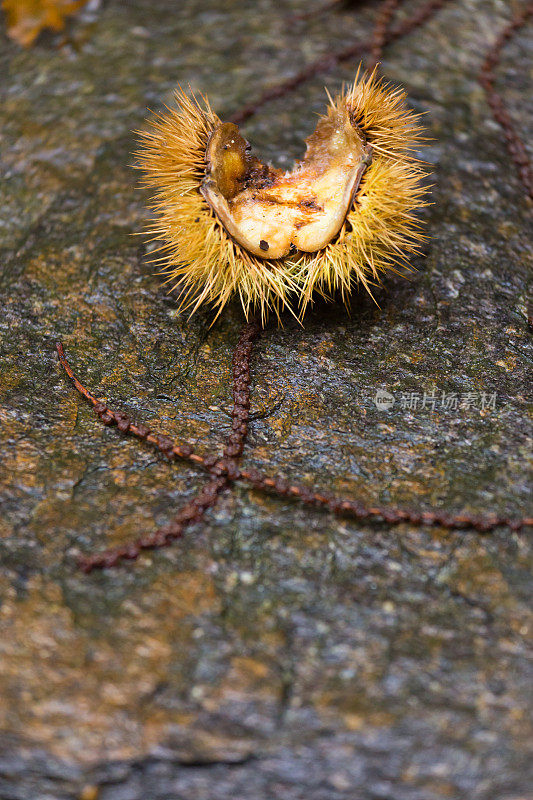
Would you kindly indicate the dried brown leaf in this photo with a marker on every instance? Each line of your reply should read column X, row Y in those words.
column 27, row 18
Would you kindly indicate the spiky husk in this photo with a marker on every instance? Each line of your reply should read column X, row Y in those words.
column 208, row 266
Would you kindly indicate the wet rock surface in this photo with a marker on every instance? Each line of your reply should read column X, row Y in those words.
column 275, row 651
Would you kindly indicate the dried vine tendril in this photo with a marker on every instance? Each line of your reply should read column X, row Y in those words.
column 225, row 471
column 515, row 145
column 380, row 31
column 193, row 511
column 325, row 63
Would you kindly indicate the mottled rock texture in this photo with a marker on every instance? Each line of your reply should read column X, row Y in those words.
column 275, row 652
